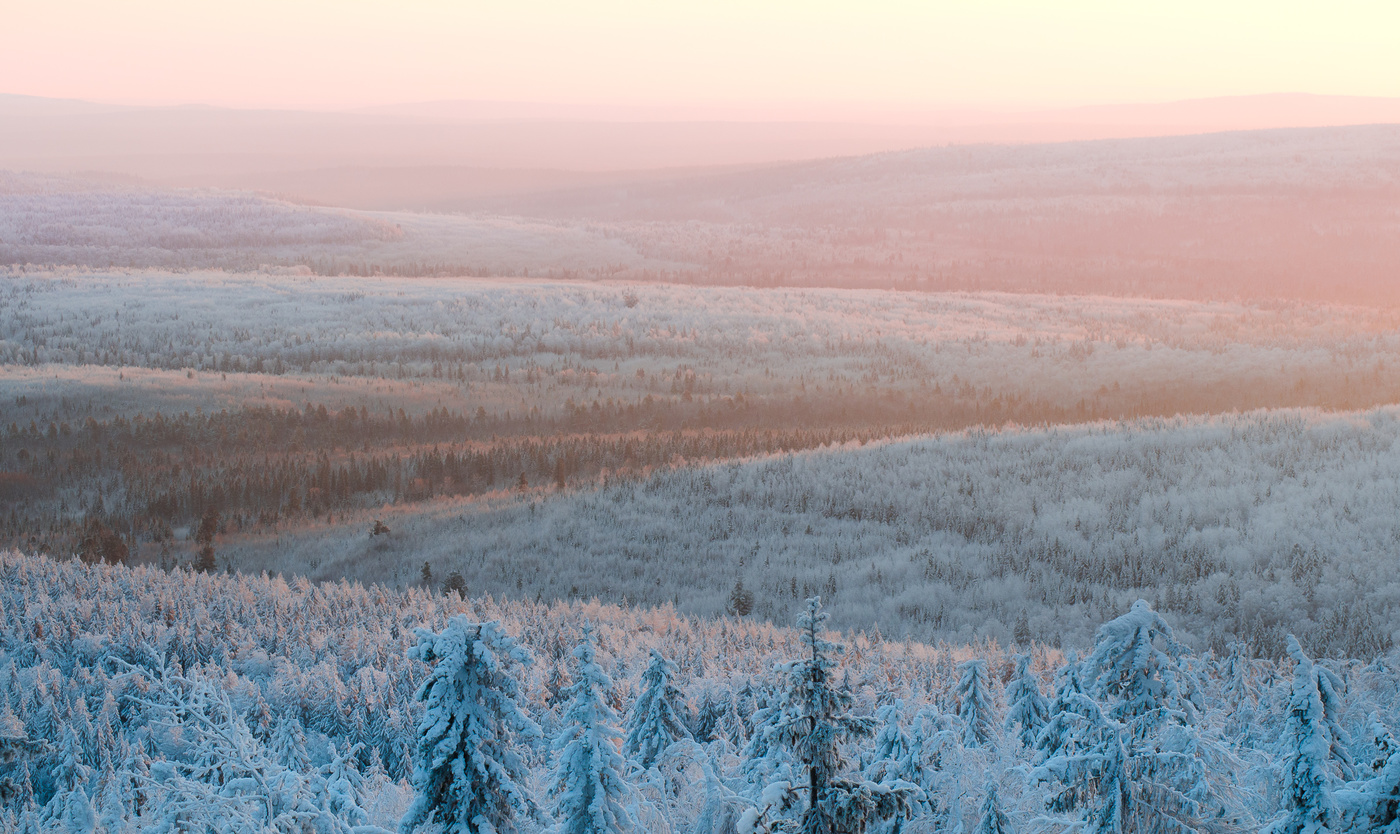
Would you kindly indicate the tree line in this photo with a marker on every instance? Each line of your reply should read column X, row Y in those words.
column 137, row 699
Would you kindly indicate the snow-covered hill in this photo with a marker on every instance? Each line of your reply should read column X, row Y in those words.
column 1242, row 527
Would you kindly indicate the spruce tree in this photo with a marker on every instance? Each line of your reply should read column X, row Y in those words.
column 1237, row 689
column 589, row 784
column 655, row 722
column 114, row 803
column 77, row 815
column 994, row 820
column 1304, row 743
column 1136, row 666
column 975, row 703
column 817, row 718
column 896, row 764
column 895, row 754
column 1081, row 750
column 1140, row 755
column 937, row 759
column 1058, row 734
column 289, row 745
column 69, row 775
column 1329, row 687
column 1027, row 709
column 732, row 726
column 713, row 706
column 344, row 786
column 469, row 777
column 766, row 760
column 1115, row 787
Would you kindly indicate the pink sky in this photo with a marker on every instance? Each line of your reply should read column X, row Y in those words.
column 872, row 60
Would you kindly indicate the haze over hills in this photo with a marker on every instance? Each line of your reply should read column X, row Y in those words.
column 1301, row 213
column 428, row 155
column 1101, row 121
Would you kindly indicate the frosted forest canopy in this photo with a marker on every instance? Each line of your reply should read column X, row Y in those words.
column 559, row 394
column 663, row 444
column 149, row 700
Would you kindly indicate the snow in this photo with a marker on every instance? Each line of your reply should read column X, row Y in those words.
column 182, row 745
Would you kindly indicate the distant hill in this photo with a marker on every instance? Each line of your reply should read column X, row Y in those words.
column 293, row 151
column 1299, row 213
column 1303, row 213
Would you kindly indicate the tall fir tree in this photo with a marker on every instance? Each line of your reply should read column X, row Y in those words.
column 589, row 786
column 817, row 719
column 1026, row 707
column 975, row 706
column 656, row 722
column 1306, row 747
column 467, row 771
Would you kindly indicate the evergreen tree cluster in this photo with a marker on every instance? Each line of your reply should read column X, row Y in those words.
column 134, row 699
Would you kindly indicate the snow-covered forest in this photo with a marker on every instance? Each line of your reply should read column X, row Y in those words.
column 534, row 345
column 1242, row 528
column 659, row 444
column 138, row 699
column 48, row 219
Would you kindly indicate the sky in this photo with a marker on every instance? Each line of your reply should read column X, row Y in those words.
column 873, row 58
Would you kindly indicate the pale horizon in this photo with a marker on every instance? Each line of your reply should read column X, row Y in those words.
column 885, row 58
column 1278, row 104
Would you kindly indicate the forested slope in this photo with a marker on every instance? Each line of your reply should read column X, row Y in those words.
column 135, row 700
column 1243, row 527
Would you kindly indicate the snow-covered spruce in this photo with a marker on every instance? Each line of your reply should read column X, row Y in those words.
column 896, row 755
column 589, row 788
column 1057, row 737
column 655, row 722
column 467, row 770
column 814, row 721
column 1026, row 709
column 1308, row 772
column 289, row 744
column 818, row 719
column 994, row 819
column 975, row 705
column 1140, row 762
